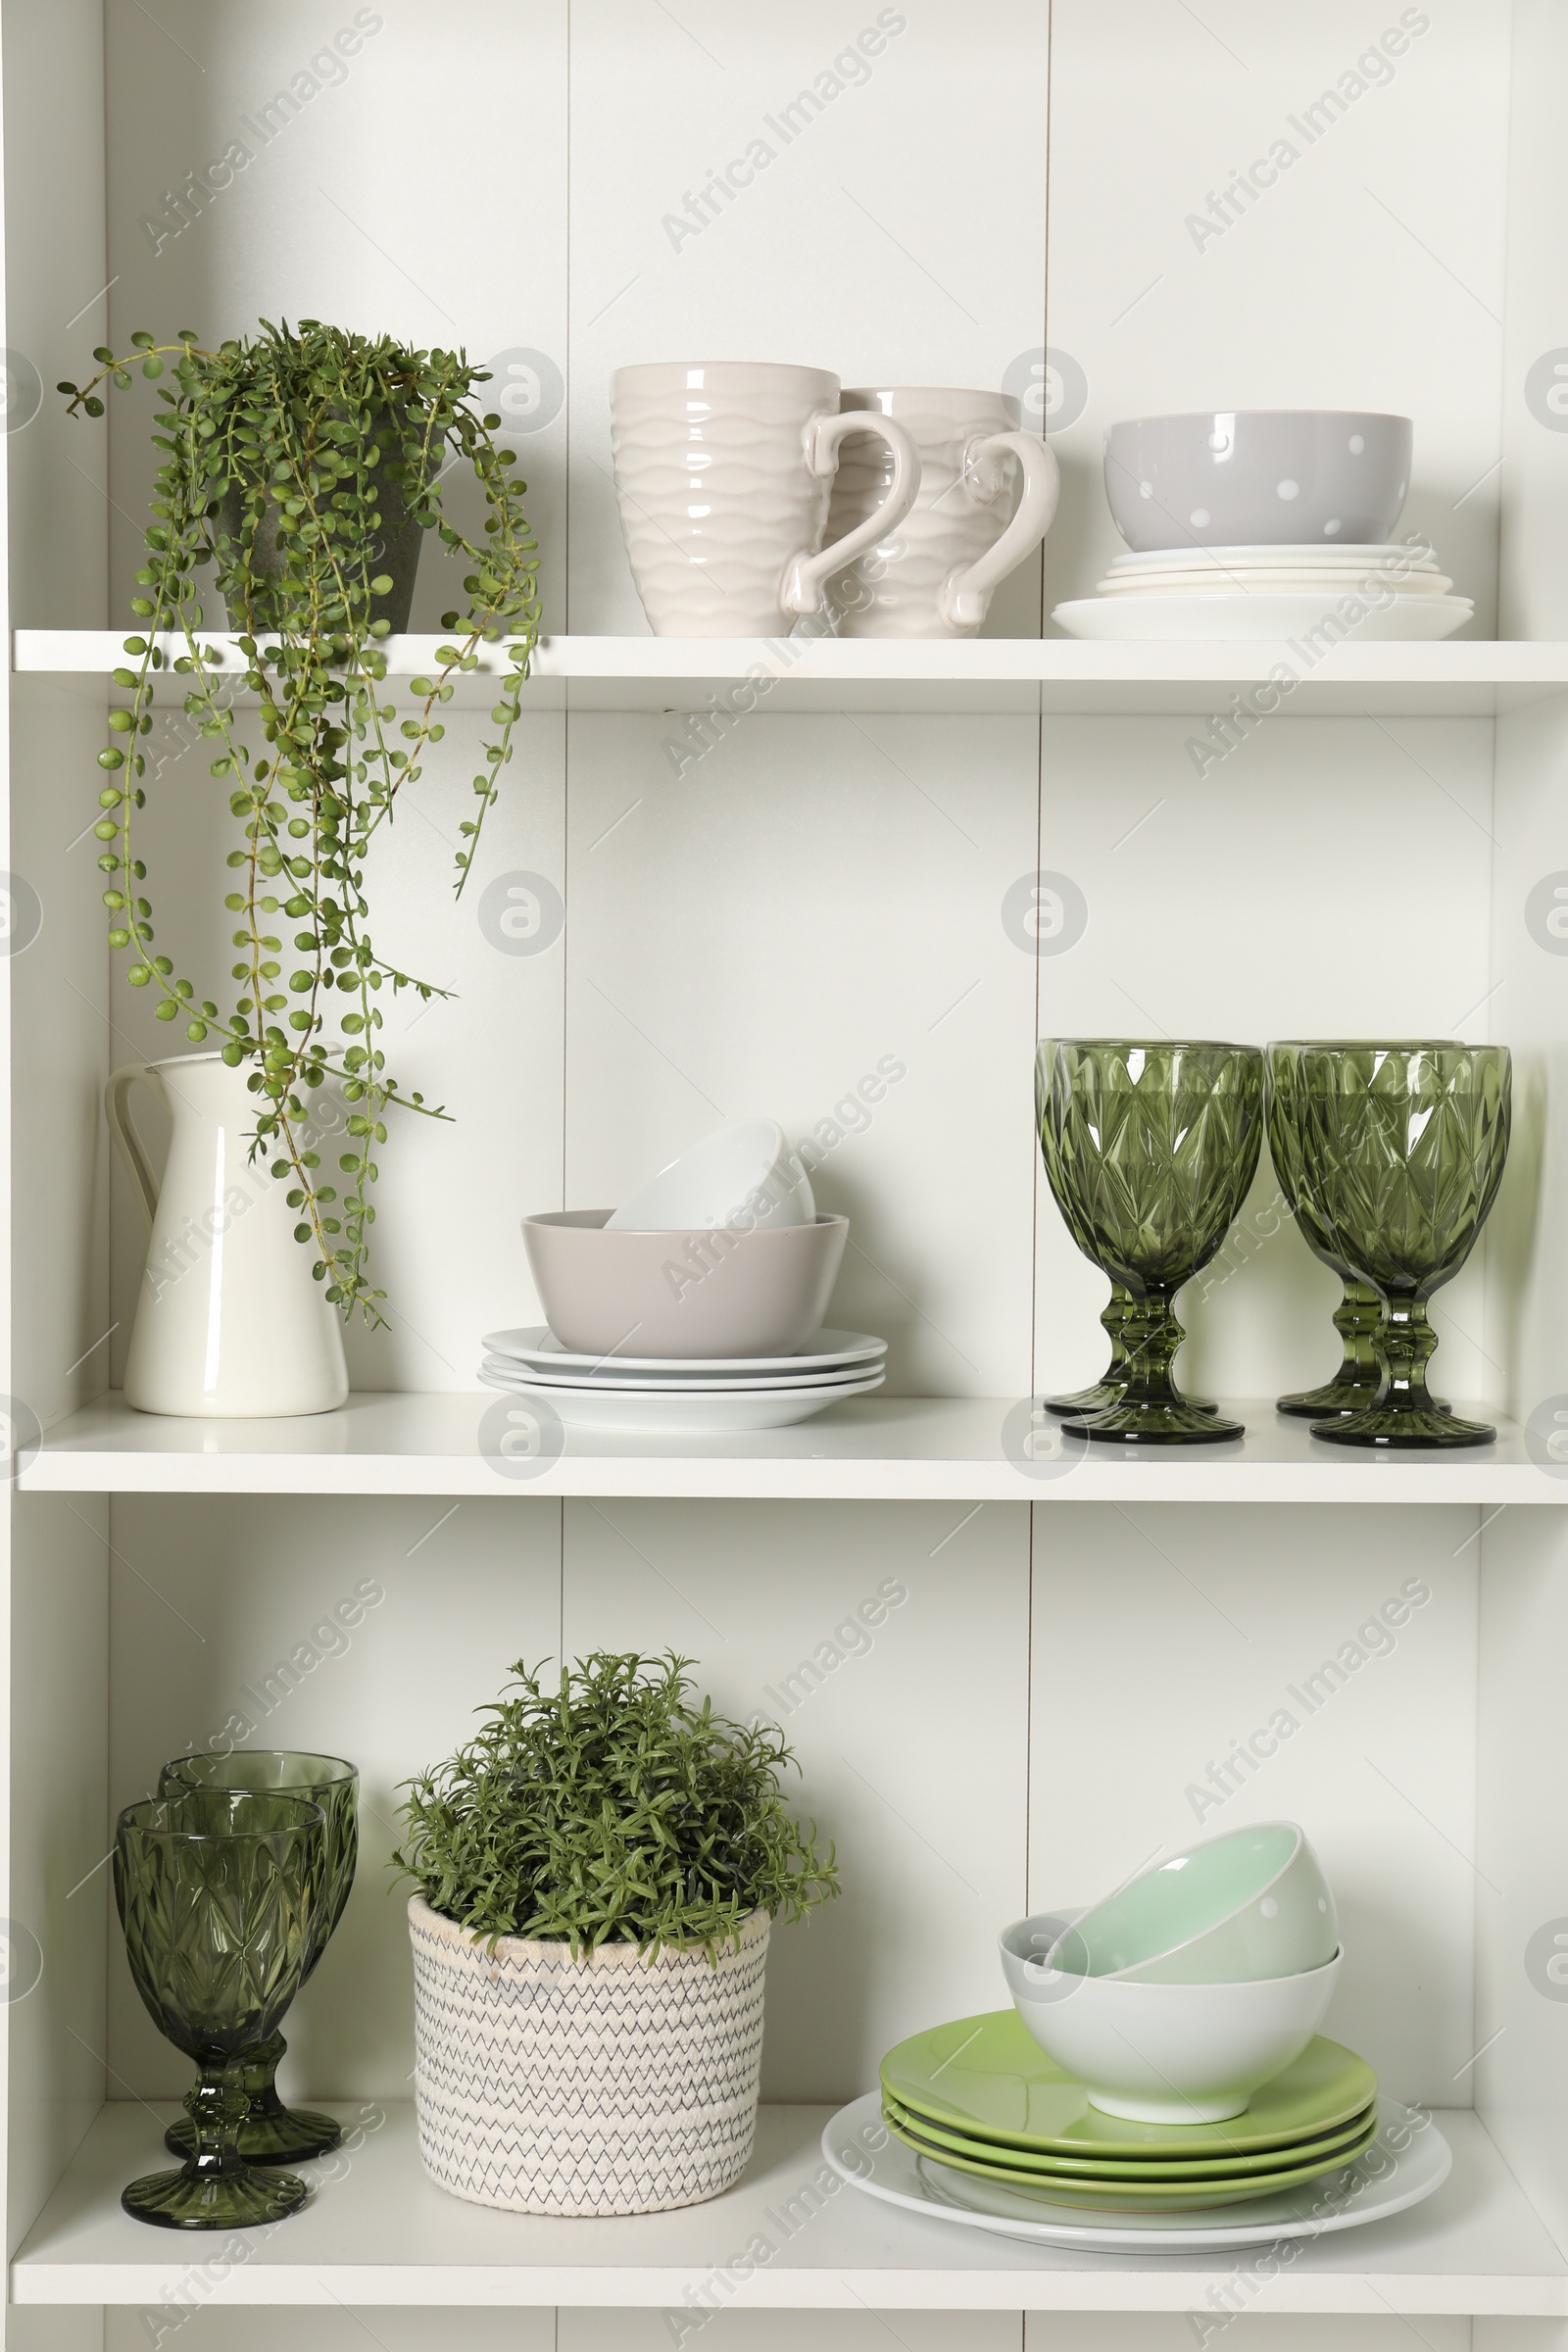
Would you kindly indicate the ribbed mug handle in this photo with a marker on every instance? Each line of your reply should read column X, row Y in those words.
column 117, row 1109
column 965, row 596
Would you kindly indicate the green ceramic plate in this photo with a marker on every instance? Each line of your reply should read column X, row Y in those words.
column 1148, row 2168
column 986, row 2077
column 1153, row 2196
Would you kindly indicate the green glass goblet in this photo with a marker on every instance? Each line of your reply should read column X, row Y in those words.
column 1149, row 1148
column 219, row 1894
column 273, row 2134
column 1402, row 1150
column 1111, row 1386
column 1360, row 1311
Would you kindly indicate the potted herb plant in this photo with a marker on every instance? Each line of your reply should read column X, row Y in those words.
column 597, row 1875
column 304, row 464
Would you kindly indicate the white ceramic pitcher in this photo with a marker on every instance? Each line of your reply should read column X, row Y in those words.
column 230, row 1320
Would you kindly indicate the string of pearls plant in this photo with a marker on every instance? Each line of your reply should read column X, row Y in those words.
column 300, row 463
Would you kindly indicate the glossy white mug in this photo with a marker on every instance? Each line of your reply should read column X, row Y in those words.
column 724, row 472
column 934, row 574
column 230, row 1320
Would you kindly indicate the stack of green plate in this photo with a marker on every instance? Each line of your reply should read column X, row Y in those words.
column 981, row 2096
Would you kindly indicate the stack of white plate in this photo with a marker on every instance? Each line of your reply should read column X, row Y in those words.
column 1274, row 592
column 672, row 1397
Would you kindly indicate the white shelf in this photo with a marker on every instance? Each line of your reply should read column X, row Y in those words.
column 1056, row 675
column 870, row 1449
column 383, row 2233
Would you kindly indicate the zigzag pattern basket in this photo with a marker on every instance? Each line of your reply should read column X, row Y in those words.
column 549, row 2085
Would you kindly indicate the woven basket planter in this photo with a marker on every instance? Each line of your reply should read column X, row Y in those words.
column 550, row 2084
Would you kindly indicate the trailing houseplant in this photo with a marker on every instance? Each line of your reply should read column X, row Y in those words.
column 304, row 465
column 598, row 1873
column 612, row 1809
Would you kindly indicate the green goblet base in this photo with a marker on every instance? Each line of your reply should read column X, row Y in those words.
column 276, row 2136
column 1159, row 1424
column 1425, row 1431
column 1333, row 1398
column 1101, row 1397
column 214, row 2201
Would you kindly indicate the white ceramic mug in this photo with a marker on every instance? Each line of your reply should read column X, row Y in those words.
column 724, row 472
column 230, row 1320
column 934, row 575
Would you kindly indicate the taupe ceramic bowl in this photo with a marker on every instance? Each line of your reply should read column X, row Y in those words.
column 684, row 1294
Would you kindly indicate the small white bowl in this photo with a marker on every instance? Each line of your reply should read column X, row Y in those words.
column 1164, row 2053
column 739, row 1177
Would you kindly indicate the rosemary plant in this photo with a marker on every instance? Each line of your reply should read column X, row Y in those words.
column 292, row 461
column 612, row 1809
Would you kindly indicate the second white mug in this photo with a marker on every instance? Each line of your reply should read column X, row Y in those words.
column 722, row 471
column 934, row 574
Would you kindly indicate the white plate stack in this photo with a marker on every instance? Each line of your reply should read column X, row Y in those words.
column 1358, row 594
column 679, row 1396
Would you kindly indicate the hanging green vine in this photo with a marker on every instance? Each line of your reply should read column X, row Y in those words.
column 293, row 462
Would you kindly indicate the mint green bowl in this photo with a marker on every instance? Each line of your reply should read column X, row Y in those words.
column 1239, row 1909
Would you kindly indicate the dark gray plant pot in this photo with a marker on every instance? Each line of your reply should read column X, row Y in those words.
column 396, row 553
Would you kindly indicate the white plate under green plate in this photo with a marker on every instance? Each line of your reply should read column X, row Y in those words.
column 1139, row 2196
column 1040, row 2166
column 988, row 2079
column 1387, row 2178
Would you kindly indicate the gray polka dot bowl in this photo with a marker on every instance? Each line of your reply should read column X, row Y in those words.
column 1257, row 478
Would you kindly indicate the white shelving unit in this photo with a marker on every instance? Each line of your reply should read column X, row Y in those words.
column 872, row 1449
column 777, row 867
column 383, row 2234
column 990, row 676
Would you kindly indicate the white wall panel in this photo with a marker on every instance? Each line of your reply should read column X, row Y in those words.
column 1369, row 275
column 911, row 1748
column 207, row 1599
column 867, row 245
column 813, row 899
column 1366, row 914
column 1161, row 1638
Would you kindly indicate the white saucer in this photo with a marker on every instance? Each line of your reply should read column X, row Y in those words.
column 1310, row 557
column 507, row 1372
column 680, row 1416
column 1241, row 580
column 1383, row 2180
column 1139, row 618
column 537, row 1344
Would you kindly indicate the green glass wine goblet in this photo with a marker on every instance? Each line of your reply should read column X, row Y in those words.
column 1111, row 1386
column 1150, row 1148
column 1402, row 1150
column 219, row 1894
column 1360, row 1311
column 273, row 2134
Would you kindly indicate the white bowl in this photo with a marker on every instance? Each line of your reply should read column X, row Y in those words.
column 740, row 1177
column 1164, row 2053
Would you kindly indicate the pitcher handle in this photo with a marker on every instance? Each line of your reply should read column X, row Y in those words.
column 965, row 596
column 806, row 573
column 117, row 1109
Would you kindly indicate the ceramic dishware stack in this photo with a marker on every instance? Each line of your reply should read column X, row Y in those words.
column 697, row 1307
column 1161, row 2061
column 1275, row 523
